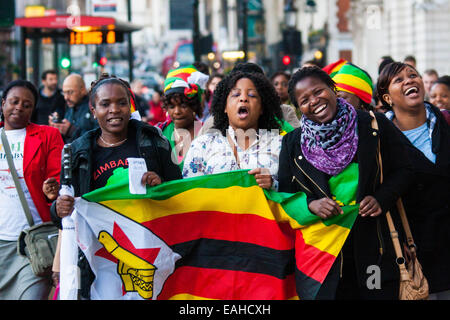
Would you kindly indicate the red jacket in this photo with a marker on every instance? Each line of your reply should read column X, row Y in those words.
column 41, row 160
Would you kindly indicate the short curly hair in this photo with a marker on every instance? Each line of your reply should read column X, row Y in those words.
column 306, row 72
column 193, row 103
column 270, row 101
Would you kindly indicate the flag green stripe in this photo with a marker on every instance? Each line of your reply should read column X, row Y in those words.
column 296, row 206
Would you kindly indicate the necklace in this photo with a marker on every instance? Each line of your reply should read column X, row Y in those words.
column 112, row 144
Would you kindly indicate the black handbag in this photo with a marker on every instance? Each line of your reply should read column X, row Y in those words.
column 38, row 242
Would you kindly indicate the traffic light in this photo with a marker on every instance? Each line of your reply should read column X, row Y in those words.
column 7, row 13
column 64, row 62
column 286, row 60
column 292, row 42
column 103, row 61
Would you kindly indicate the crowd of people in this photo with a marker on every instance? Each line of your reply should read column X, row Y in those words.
column 297, row 132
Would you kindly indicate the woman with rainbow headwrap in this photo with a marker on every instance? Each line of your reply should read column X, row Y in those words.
column 183, row 89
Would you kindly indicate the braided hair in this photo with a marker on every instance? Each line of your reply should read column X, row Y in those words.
column 270, row 101
column 105, row 78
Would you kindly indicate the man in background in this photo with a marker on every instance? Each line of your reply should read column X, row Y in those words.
column 429, row 78
column 50, row 99
column 78, row 118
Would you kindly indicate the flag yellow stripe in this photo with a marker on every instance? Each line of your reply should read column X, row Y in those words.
column 350, row 79
column 235, row 199
column 326, row 238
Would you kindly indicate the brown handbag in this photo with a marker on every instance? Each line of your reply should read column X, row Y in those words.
column 413, row 284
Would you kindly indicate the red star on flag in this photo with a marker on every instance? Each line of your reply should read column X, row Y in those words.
column 148, row 254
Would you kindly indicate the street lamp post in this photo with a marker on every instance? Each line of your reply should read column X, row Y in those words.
column 196, row 31
column 292, row 45
column 130, row 45
column 290, row 15
column 245, row 29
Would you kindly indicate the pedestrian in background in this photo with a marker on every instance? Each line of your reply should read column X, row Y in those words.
column 156, row 113
column 429, row 78
column 411, row 60
column 36, row 152
column 427, row 138
column 77, row 119
column 211, row 85
column 183, row 90
column 335, row 140
column 50, row 101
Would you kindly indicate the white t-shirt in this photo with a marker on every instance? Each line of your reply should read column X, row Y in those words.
column 12, row 216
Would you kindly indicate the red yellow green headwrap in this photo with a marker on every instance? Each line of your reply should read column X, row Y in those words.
column 352, row 79
column 187, row 80
column 334, row 67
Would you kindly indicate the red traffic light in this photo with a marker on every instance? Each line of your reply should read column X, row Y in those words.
column 103, row 61
column 286, row 60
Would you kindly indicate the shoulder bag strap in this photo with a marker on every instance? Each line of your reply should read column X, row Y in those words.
column 392, row 230
column 12, row 168
column 400, row 207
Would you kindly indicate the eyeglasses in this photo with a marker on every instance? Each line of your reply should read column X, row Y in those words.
column 68, row 92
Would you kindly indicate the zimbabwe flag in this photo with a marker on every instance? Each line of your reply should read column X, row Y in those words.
column 212, row 237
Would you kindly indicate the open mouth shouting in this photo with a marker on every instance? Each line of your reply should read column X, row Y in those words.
column 243, row 112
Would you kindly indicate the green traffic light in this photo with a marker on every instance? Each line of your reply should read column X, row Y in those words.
column 94, row 64
column 65, row 63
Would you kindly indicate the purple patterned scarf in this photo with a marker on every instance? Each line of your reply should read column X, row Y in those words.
column 330, row 147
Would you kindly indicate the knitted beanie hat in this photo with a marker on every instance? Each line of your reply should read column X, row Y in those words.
column 187, row 80
column 352, row 79
column 334, row 67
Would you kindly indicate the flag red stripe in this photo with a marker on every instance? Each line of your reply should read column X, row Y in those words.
column 190, row 226
column 227, row 285
column 311, row 261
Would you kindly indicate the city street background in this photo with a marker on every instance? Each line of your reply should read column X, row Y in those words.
column 93, row 36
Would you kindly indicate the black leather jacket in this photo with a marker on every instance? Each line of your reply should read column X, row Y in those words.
column 152, row 146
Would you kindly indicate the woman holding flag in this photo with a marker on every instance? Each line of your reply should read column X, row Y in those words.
column 100, row 154
column 246, row 131
column 334, row 141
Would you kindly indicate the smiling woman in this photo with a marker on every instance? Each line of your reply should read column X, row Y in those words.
column 333, row 140
column 427, row 137
column 36, row 153
column 98, row 153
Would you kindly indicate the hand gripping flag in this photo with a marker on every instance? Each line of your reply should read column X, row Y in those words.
column 212, row 237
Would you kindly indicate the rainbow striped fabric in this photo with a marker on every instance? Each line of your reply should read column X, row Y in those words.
column 228, row 238
column 187, row 80
column 334, row 67
column 352, row 79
